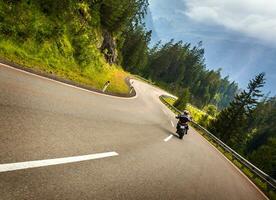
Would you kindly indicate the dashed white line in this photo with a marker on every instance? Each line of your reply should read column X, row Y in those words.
column 55, row 161
column 168, row 138
column 172, row 123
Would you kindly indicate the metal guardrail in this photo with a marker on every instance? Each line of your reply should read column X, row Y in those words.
column 271, row 183
column 143, row 79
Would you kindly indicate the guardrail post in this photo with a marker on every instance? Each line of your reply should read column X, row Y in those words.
column 106, row 85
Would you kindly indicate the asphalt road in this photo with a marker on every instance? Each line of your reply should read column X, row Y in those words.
column 42, row 119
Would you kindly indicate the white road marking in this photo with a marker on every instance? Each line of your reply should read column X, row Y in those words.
column 164, row 111
column 172, row 123
column 231, row 163
column 168, row 138
column 55, row 161
column 66, row 84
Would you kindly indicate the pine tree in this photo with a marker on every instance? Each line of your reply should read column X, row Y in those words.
column 117, row 15
column 262, row 125
column 230, row 125
column 265, row 157
column 182, row 101
column 135, row 49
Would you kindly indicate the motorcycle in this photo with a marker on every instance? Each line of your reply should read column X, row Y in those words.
column 181, row 130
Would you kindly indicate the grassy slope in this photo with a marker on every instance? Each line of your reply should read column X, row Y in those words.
column 57, row 55
column 199, row 116
column 47, row 60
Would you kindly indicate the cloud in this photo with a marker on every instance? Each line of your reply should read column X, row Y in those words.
column 238, row 35
column 166, row 8
column 254, row 18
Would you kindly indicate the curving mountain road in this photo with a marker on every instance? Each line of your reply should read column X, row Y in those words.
column 41, row 119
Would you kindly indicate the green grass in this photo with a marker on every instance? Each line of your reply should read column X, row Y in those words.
column 48, row 58
column 198, row 115
column 272, row 195
column 43, row 41
column 169, row 100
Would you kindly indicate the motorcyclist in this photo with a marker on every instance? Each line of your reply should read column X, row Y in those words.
column 184, row 118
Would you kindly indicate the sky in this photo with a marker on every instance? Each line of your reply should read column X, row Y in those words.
column 239, row 36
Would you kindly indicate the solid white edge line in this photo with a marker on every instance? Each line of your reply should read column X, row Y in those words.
column 230, row 162
column 56, row 161
column 66, row 84
column 172, row 123
column 168, row 138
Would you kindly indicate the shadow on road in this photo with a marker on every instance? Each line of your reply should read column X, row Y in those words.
column 167, row 131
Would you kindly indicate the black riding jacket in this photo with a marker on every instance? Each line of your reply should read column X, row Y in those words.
column 183, row 119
